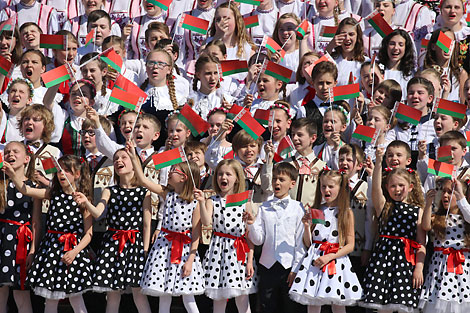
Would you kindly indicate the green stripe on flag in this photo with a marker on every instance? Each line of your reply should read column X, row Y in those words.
column 377, row 28
column 158, row 4
column 444, row 159
column 318, row 221
column 57, row 81
column 301, row 32
column 328, row 35
column 277, row 76
column 361, row 137
column 451, row 113
column 111, row 63
column 252, row 25
column 442, row 46
column 247, row 129
column 253, row 2
column 3, row 71
column 405, row 118
column 51, row 46
column 235, row 71
column 440, row 174
column 122, row 102
column 188, row 124
column 195, row 29
column 346, row 97
column 168, row 163
column 236, row 203
column 51, row 170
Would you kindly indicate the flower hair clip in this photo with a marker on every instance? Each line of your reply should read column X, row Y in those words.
column 22, row 80
column 170, row 115
column 341, row 109
column 215, row 110
column 467, row 181
column 410, row 170
column 125, row 112
column 342, row 171
column 326, row 168
column 388, row 169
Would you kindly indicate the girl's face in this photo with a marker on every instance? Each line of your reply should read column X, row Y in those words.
column 122, row 163
column 92, row 5
column 285, row 32
column 332, row 123
column 154, row 36
column 249, row 153
column 308, row 61
column 350, row 40
column 380, row 97
column 466, row 92
column 151, row 9
column 204, row 4
column 325, row 7
column 440, row 54
column 30, row 37
column 92, row 72
column 418, row 97
column 281, row 124
column 322, row 84
column 32, row 67
column 452, row 12
column 444, row 123
column 178, row 133
column 65, row 176
column 68, row 56
column 79, row 102
column 15, row 155
column 5, row 42
column 435, row 82
column 32, row 127
column 208, row 75
column 216, row 52
column 226, row 179
column 447, row 195
column 158, row 67
column 378, row 121
column 125, row 124
column 268, row 87
column 329, row 188
column 396, row 49
column 19, row 96
column 386, row 9
column 215, row 122
column 398, row 188
column 176, row 176
column 224, row 21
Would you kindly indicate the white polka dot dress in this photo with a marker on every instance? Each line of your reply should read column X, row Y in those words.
column 443, row 291
column 312, row 285
column 225, row 276
column 49, row 277
column 161, row 277
column 19, row 209
column 389, row 276
column 114, row 270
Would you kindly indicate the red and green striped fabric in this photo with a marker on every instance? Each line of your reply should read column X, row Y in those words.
column 444, row 42
column 234, row 110
column 278, row 71
column 377, row 22
column 193, row 121
column 113, row 59
column 318, row 217
column 451, row 108
column 467, row 135
column 272, row 46
column 162, row 4
column 444, row 153
column 328, row 31
column 424, row 43
column 126, row 85
column 325, row 58
column 467, row 19
column 263, row 116
column 252, row 2
column 249, row 124
column 440, row 169
column 1, row 160
column 56, row 76
column 125, row 99
column 168, row 158
column 50, row 165
column 365, row 133
column 229, row 155
column 302, row 30
column 194, row 24
column 344, row 92
column 231, row 67
column 90, row 37
column 285, row 148
column 57, row 42
column 408, row 114
column 5, row 66
column 251, row 21
column 9, row 24
column 238, row 198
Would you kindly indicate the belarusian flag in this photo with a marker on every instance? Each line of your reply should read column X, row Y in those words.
column 277, row 158
column 344, row 92
column 238, row 198
column 424, row 43
column 467, row 19
column 1, row 160
column 328, row 31
column 252, row 2
column 234, row 110
column 278, row 71
column 444, row 42
column 249, row 124
column 50, row 165
column 440, row 169
column 231, row 67
column 377, row 22
column 365, row 133
column 228, row 155
column 90, row 37
column 325, row 58
column 56, row 76
column 162, row 4
column 168, row 158
column 124, row 98
column 451, row 108
column 263, row 116
column 9, row 24
column 5, row 66
column 194, row 23
column 58, row 42
column 352, row 78
column 285, row 148
column 467, row 134
column 408, row 114
column 251, row 21
column 318, row 217
column 126, row 85
column 302, row 30
column 272, row 46
column 193, row 121
column 444, row 153
column 113, row 59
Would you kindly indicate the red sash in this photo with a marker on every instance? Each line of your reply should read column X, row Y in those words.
column 410, row 246
column 455, row 258
column 177, row 241
column 328, row 248
column 240, row 245
column 123, row 236
column 68, row 239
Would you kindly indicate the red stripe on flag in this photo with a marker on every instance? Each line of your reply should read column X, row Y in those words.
column 166, row 156
column 238, row 197
column 279, row 69
column 451, row 106
column 365, row 131
column 406, row 110
column 252, row 19
column 129, row 86
column 54, row 74
column 198, row 123
column 345, row 90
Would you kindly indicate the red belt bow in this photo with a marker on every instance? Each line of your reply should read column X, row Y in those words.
column 240, row 244
column 123, row 236
column 328, row 248
column 455, row 259
column 177, row 241
column 68, row 239
column 410, row 246
column 24, row 235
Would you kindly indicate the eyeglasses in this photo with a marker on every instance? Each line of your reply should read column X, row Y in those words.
column 90, row 132
column 177, row 171
column 157, row 64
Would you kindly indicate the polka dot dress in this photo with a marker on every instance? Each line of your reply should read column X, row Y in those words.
column 225, row 277
column 443, row 291
column 19, row 209
column 312, row 286
column 114, row 270
column 49, row 277
column 389, row 277
column 160, row 276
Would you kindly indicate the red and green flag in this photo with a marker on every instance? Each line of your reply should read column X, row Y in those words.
column 126, row 99
column 444, row 153
column 56, row 76
column 162, row 4
column 252, row 2
column 126, row 85
column 234, row 110
column 408, row 114
column 1, row 160
column 365, row 133
column 90, row 37
column 249, row 124
column 251, row 21
column 238, row 198
column 467, row 19
column 272, row 45
column 325, row 58
column 441, row 169
column 194, row 24
column 231, row 67
column 113, row 59
column 168, row 158
column 5, row 66
column 328, row 31
column 467, row 134
column 58, row 42
column 302, row 30
column 424, row 43
column 264, row 117
column 50, row 165
column 193, row 121
column 444, row 42
column 318, row 217
column 344, row 92
column 228, row 155
column 286, row 147
column 377, row 22
column 451, row 108
column 9, row 24
column 278, row 71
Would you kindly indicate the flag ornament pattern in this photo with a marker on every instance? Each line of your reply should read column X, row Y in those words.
column 194, row 24
column 50, row 165
column 6, row 67
column 344, row 92
column 126, row 99
column 278, row 71
column 58, row 42
column 451, row 108
column 272, row 46
column 328, row 31
column 113, row 59
column 126, row 85
column 193, row 121
column 238, row 198
column 56, row 76
column 444, row 153
column 441, row 169
column 264, row 116
column 408, row 114
column 162, row 4
column 366, row 133
column 249, row 124
column 251, row 21
column 286, row 149
column 377, row 22
column 302, row 30
column 231, row 67
column 444, row 42
column 168, row 158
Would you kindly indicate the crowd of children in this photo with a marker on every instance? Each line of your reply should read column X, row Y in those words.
column 288, row 193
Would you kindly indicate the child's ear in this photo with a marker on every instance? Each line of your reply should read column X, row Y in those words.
column 430, row 98
column 156, row 135
column 279, row 84
column 313, row 138
column 292, row 184
column 408, row 161
column 411, row 186
column 360, row 165
column 27, row 159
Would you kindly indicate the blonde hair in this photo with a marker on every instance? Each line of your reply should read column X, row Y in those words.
column 237, row 168
column 46, row 116
column 278, row 23
column 187, row 194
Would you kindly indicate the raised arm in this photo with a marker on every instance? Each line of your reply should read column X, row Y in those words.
column 426, row 222
column 205, row 206
column 97, row 210
column 36, row 193
column 50, row 95
column 378, row 199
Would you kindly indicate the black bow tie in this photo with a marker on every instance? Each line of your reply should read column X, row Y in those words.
column 35, row 144
column 324, row 104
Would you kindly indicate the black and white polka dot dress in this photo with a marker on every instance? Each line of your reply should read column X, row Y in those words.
column 225, row 277
column 443, row 291
column 312, row 285
column 161, row 277
column 389, row 276
column 19, row 209
column 114, row 270
column 49, row 277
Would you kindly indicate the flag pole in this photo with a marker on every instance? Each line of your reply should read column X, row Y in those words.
column 189, row 167
column 13, row 33
column 74, row 78
column 282, row 47
column 96, row 56
column 252, row 88
column 450, row 201
column 62, row 171
column 331, row 109
column 272, row 126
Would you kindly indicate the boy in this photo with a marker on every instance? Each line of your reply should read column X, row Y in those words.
column 101, row 22
column 29, row 34
column 398, row 154
column 282, row 250
column 281, row 123
column 387, row 93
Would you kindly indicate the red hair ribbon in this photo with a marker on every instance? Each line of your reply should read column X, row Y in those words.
column 410, row 170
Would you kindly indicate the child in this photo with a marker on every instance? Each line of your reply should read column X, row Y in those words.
column 101, row 22
column 17, row 215
column 282, row 250
column 398, row 155
column 61, row 267
column 230, row 271
column 325, row 275
column 284, row 35
column 386, row 94
column 445, row 289
column 281, row 122
column 399, row 208
column 195, row 151
column 119, row 47
column 372, row 39
column 11, row 50
column 269, row 89
column 121, row 258
column 268, row 16
column 370, row 78
column 30, row 34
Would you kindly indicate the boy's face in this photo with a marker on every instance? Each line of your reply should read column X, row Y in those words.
column 30, row 37
column 268, row 86
column 396, row 157
column 197, row 156
column 126, row 123
column 322, row 84
column 444, row 123
column 281, row 124
column 248, row 153
column 103, row 30
column 349, row 164
column 418, row 97
column 301, row 139
column 32, row 127
column 457, row 150
column 379, row 96
column 145, row 133
column 154, row 37
column 89, row 139
column 282, row 183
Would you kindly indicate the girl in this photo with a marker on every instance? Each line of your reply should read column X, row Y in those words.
column 284, row 35
column 120, row 48
column 268, row 15
column 173, row 267
column 269, row 89
column 61, row 267
column 121, row 259
column 226, row 278
column 348, row 50
column 370, row 78
column 451, row 15
column 445, row 289
column 10, row 49
column 371, row 38
column 217, row 143
column 325, row 275
column 399, row 209
column 386, row 94
column 15, row 217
